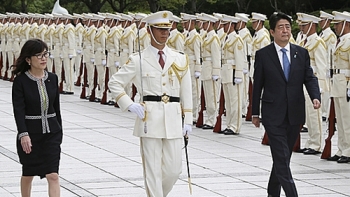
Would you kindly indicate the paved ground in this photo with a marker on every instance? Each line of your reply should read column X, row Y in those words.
column 100, row 157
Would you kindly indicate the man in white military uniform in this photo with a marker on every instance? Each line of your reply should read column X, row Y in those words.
column 340, row 89
column 49, row 39
column 233, row 61
column 142, row 35
column 68, row 54
column 176, row 39
column 57, row 47
column 79, row 35
column 164, row 83
column 219, row 26
column 193, row 43
column 210, row 75
column 318, row 61
column 329, row 37
column 261, row 36
column 9, row 48
column 244, row 33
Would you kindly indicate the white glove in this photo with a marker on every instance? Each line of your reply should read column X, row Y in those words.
column 215, row 77
column 245, row 71
column 92, row 60
column 328, row 74
column 61, row 56
column 186, row 130
column 116, row 64
column 321, row 90
column 70, row 56
column 51, row 56
column 104, row 62
column 238, row 80
column 78, row 51
column 348, row 92
column 137, row 109
column 197, row 74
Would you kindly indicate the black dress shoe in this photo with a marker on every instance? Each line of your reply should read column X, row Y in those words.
column 111, row 103
column 230, row 132
column 221, row 132
column 304, row 129
column 194, row 122
column 66, row 92
column 97, row 100
column 324, row 118
column 207, row 127
column 301, row 150
column 333, row 158
column 311, row 151
column 343, row 159
column 87, row 97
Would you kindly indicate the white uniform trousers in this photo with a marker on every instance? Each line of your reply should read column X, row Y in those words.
column 314, row 125
column 211, row 94
column 101, row 71
column 49, row 64
column 233, row 98
column 77, row 62
column 10, row 58
column 325, row 101
column 342, row 113
column 245, row 96
column 90, row 72
column 68, row 65
column 196, row 96
column 111, row 71
column 4, row 58
column 58, row 68
column 162, row 164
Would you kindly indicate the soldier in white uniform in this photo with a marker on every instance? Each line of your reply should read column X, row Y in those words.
column 244, row 33
column 219, row 26
column 233, row 62
column 56, row 53
column 166, row 95
column 113, row 53
column 193, row 42
column 79, row 34
column 300, row 36
column 210, row 75
column 142, row 35
column 176, row 39
column 3, row 26
column 261, row 36
column 318, row 61
column 340, row 89
column 100, row 56
column 49, row 40
column 9, row 48
column 68, row 54
column 329, row 37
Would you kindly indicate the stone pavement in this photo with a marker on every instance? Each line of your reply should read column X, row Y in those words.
column 100, row 157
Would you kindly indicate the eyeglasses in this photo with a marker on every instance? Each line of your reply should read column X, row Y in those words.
column 42, row 55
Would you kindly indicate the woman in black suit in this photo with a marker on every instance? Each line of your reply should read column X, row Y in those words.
column 36, row 107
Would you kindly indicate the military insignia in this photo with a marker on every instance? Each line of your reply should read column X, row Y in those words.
column 165, row 15
column 127, row 62
column 240, row 47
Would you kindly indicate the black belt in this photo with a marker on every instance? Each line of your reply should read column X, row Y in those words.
column 164, row 98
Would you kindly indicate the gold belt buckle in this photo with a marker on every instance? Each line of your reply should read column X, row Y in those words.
column 165, row 98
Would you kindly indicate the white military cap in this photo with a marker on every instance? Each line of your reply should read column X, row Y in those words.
column 3, row 16
column 113, row 16
column 126, row 17
column 325, row 15
column 23, row 15
column 218, row 15
column 307, row 18
column 187, row 17
column 67, row 16
column 159, row 19
column 340, row 16
column 98, row 17
column 242, row 17
column 75, row 16
column 139, row 16
column 207, row 17
column 50, row 16
column 87, row 16
column 258, row 17
column 175, row 19
column 232, row 19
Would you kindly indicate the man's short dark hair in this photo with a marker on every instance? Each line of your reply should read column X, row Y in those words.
column 276, row 16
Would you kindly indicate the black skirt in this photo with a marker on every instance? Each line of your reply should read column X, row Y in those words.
column 45, row 156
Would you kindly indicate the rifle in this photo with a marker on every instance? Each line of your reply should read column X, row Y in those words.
column 78, row 83
column 326, row 153
column 0, row 64
column 62, row 79
column 248, row 116
column 6, row 66
column 217, row 127
column 199, row 123
column 104, row 94
column 11, row 68
column 93, row 94
column 83, row 87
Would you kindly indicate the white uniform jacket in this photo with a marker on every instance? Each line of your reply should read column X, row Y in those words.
column 164, row 120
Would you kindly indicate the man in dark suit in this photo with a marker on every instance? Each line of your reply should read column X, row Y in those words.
column 281, row 70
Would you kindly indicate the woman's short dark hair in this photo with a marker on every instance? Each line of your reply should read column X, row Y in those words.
column 29, row 49
column 276, row 16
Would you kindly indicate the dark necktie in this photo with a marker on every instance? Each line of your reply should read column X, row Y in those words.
column 161, row 60
column 337, row 42
column 286, row 64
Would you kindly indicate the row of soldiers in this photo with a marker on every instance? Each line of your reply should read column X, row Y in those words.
column 220, row 55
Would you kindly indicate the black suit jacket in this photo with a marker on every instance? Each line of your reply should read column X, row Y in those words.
column 26, row 102
column 278, row 96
